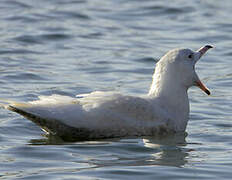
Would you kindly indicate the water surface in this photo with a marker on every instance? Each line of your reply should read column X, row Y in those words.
column 78, row 46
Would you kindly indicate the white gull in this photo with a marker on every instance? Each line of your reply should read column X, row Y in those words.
column 109, row 114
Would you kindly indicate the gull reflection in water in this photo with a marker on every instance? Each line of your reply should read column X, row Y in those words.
column 169, row 150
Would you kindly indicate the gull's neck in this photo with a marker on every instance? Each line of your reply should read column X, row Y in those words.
column 172, row 96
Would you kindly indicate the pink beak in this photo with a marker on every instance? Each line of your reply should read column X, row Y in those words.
column 202, row 87
column 202, row 51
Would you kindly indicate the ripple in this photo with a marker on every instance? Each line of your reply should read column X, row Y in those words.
column 224, row 125
column 148, row 11
column 170, row 10
column 70, row 2
column 23, row 76
column 70, row 14
column 19, row 51
column 147, row 60
column 92, row 35
column 40, row 39
column 28, row 39
column 18, row 4
column 55, row 36
column 23, row 19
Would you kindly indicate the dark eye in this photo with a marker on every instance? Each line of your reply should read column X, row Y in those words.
column 190, row 56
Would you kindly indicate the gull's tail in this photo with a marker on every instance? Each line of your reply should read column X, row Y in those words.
column 5, row 103
column 37, row 113
column 20, row 108
column 13, row 105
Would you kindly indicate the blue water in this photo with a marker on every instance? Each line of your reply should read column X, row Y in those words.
column 78, row 46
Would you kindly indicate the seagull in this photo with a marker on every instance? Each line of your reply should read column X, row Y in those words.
column 97, row 115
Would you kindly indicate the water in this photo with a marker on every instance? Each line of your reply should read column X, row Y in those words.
column 77, row 46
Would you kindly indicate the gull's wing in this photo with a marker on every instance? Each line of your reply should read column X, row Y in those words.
column 98, row 114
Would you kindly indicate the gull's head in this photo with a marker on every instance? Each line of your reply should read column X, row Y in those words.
column 177, row 69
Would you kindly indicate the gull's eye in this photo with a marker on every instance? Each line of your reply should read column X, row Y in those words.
column 190, row 56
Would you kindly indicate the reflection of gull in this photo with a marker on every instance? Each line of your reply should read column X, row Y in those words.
column 110, row 114
column 170, row 150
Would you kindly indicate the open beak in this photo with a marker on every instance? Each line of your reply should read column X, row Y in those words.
column 198, row 83
column 202, row 87
column 204, row 49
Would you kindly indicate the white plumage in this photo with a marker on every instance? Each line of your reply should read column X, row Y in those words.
column 110, row 114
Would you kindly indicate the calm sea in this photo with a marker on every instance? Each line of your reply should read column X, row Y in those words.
column 69, row 47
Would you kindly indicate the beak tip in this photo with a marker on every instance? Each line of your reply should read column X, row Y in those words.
column 207, row 92
column 202, row 87
column 209, row 46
